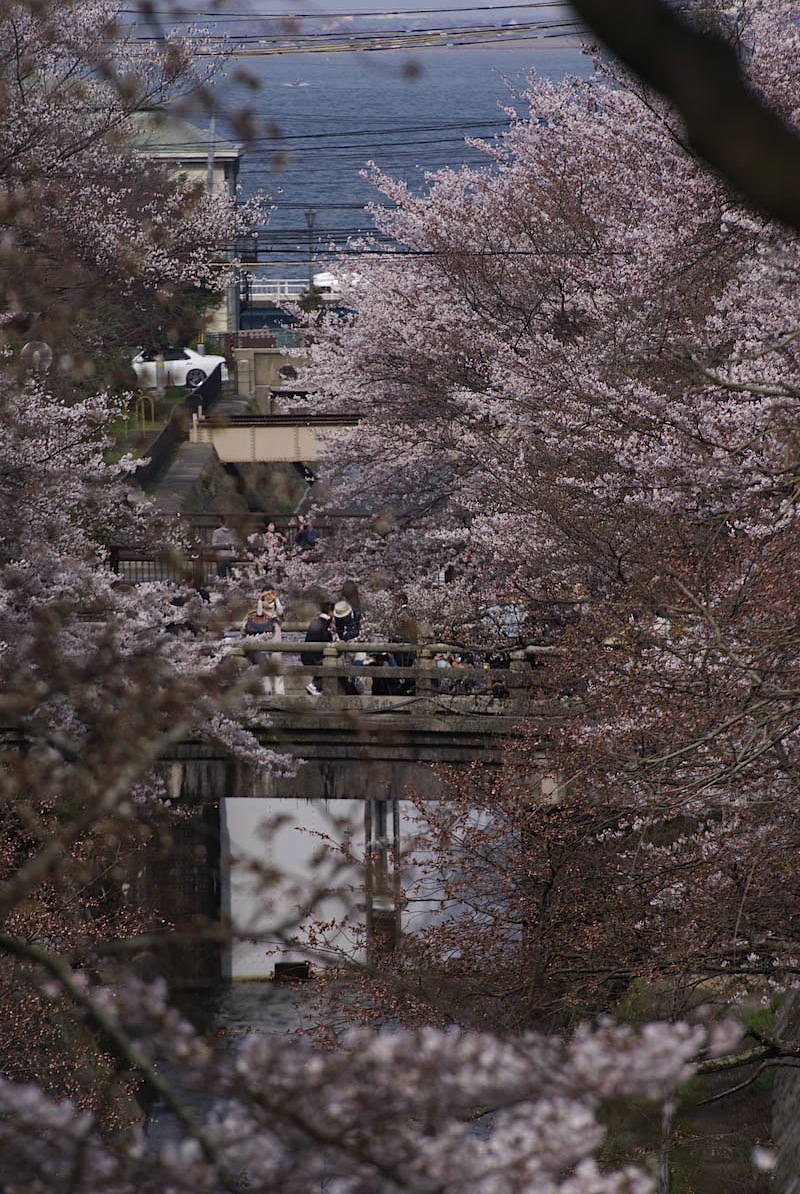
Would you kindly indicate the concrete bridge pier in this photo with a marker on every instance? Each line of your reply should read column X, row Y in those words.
column 176, row 876
column 382, row 876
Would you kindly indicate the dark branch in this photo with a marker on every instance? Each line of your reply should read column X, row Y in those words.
column 726, row 123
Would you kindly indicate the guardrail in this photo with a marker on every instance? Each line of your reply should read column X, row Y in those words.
column 263, row 289
column 494, row 672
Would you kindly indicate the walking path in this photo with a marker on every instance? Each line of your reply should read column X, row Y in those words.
column 174, row 488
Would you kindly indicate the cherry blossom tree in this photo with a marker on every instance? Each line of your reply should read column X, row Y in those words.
column 94, row 684
column 95, row 687
column 693, row 62
column 391, row 1111
column 578, row 376
column 88, row 703
column 100, row 245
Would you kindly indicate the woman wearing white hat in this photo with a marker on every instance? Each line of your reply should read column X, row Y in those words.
column 344, row 621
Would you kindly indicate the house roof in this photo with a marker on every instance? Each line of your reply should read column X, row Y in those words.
column 162, row 135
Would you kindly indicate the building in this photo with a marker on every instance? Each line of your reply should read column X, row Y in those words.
column 199, row 155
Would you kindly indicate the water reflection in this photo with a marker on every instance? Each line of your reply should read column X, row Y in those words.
column 268, row 1007
column 233, row 1009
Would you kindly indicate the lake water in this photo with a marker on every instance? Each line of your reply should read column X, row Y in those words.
column 321, row 117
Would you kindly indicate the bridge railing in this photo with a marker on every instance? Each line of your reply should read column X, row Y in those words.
column 198, row 566
column 490, row 671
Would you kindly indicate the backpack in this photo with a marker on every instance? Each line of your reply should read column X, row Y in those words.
column 255, row 625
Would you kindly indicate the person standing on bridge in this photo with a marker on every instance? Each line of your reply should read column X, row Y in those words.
column 345, row 622
column 350, row 594
column 265, row 621
column 405, row 629
column 225, row 546
column 307, row 536
column 274, row 540
column 347, row 626
column 272, row 544
column 319, row 631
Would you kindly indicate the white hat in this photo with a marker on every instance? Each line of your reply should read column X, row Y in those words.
column 342, row 609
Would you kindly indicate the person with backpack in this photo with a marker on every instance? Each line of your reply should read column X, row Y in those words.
column 265, row 621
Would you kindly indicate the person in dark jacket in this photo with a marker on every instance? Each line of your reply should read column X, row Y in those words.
column 307, row 536
column 319, row 631
column 351, row 595
column 405, row 630
column 345, row 622
column 346, row 627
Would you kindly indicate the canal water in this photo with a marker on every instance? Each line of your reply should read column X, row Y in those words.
column 274, row 1008
column 233, row 1009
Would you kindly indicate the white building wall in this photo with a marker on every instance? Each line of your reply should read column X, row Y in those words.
column 278, row 857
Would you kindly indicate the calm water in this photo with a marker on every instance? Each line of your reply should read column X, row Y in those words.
column 321, row 118
column 233, row 1009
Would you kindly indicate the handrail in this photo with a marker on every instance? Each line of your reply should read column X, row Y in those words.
column 422, row 678
column 345, row 419
column 277, row 287
column 381, row 647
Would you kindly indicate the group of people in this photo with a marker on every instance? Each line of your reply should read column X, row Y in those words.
column 339, row 620
column 270, row 542
column 336, row 621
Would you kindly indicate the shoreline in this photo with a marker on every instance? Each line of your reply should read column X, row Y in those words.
column 533, row 43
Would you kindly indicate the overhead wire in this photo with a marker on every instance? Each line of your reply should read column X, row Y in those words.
column 174, row 14
column 275, row 33
column 289, row 245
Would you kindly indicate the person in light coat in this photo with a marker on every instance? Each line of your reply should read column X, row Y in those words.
column 265, row 620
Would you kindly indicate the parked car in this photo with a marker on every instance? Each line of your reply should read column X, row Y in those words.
column 182, row 367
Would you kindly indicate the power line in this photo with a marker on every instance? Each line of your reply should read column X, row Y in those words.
column 244, row 43
column 285, row 140
column 294, row 40
column 169, row 14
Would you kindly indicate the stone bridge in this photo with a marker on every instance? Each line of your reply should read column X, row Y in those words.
column 356, row 758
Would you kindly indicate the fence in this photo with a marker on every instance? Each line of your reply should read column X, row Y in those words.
column 176, row 429
column 199, row 566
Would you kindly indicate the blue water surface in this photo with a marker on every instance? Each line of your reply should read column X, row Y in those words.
column 320, row 118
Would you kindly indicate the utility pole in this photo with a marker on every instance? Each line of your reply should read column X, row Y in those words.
column 212, row 138
column 311, row 215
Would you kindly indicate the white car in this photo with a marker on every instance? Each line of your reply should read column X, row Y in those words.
column 182, row 367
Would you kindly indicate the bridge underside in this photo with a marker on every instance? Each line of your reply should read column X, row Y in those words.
column 359, row 758
column 347, row 752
